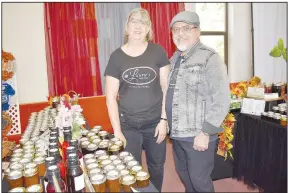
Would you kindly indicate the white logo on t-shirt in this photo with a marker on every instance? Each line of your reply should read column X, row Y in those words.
column 139, row 75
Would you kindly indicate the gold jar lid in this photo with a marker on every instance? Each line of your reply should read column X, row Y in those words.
column 98, row 179
column 117, row 162
column 128, row 158
column 19, row 150
column 91, row 147
column 15, row 160
column 94, row 137
column 95, row 171
column 119, row 143
column 109, row 167
column 120, row 167
column 102, row 133
column 103, row 157
column 39, row 146
column 96, row 141
column 136, row 169
column 34, row 188
column 114, row 148
column 85, row 131
column 29, row 143
column 39, row 160
column 28, row 147
column 124, row 172
column 30, row 172
column 142, row 175
column 90, row 161
column 34, row 139
column 30, row 165
column 85, row 144
column 88, row 156
column 99, row 127
column 92, row 166
column 40, row 154
column 105, row 162
column 24, row 161
column 83, row 139
column 100, row 153
column 128, row 180
column 29, row 151
column 15, row 174
column 28, row 156
column 114, row 139
column 23, row 140
column 113, row 175
column 95, row 130
column 124, row 154
column 18, row 155
column 105, row 141
column 132, row 163
column 103, row 144
column 90, row 134
column 18, row 189
column 16, row 166
column 113, row 157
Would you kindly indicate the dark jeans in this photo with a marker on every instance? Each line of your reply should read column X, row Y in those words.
column 140, row 135
column 194, row 167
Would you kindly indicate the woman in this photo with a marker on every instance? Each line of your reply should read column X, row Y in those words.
column 138, row 71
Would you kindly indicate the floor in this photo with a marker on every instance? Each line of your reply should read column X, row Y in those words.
column 172, row 182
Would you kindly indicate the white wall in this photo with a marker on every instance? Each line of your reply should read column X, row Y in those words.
column 270, row 23
column 23, row 35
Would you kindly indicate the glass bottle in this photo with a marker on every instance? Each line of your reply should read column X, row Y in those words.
column 53, row 172
column 75, row 143
column 75, row 175
column 49, row 161
column 56, row 154
column 55, row 134
column 67, row 137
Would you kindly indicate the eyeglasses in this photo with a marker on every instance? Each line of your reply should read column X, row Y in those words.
column 141, row 22
column 185, row 29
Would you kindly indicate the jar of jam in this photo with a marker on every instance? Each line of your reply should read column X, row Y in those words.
column 29, row 151
column 124, row 172
column 127, row 182
column 15, row 160
column 22, row 141
column 114, row 150
column 90, row 161
column 120, row 167
column 117, row 162
column 91, row 148
column 95, row 171
column 142, row 179
column 40, row 154
column 94, row 137
column 97, row 128
column 120, row 144
column 16, row 166
column 103, row 135
column 268, row 87
column 283, row 120
column 113, row 181
column 275, row 109
column 88, row 156
column 132, row 163
column 30, row 165
column 84, row 146
column 84, row 132
column 108, row 168
column 35, row 188
column 31, row 177
column 28, row 143
column 114, row 157
column 28, row 147
column 92, row 166
column 99, row 182
column 105, row 162
column 18, row 189
column 15, row 179
column 100, row 153
column 114, row 139
column 24, row 161
column 135, row 169
column 90, row 134
column 128, row 159
column 105, row 141
column 103, row 157
column 40, row 161
column 17, row 155
column 19, row 150
column 83, row 139
column 28, row 156
column 103, row 146
column 96, row 141
column 124, row 154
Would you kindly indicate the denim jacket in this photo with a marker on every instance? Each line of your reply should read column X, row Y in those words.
column 201, row 96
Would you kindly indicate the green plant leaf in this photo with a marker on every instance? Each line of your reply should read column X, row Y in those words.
column 284, row 53
column 280, row 44
column 275, row 52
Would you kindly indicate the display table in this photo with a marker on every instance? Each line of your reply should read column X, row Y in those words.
column 260, row 153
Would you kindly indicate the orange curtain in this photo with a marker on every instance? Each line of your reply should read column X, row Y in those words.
column 161, row 15
column 71, row 48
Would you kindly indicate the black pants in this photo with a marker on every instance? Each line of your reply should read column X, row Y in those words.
column 194, row 167
column 140, row 135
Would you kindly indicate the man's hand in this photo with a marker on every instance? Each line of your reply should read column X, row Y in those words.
column 201, row 142
column 120, row 136
column 161, row 131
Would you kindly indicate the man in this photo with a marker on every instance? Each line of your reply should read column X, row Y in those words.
column 197, row 103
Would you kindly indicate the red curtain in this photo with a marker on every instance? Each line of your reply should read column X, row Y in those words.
column 71, row 48
column 161, row 15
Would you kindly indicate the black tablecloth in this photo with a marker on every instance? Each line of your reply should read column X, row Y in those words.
column 261, row 153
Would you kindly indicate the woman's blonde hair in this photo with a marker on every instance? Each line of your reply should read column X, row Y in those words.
column 146, row 17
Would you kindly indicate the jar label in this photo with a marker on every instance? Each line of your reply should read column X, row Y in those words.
column 79, row 182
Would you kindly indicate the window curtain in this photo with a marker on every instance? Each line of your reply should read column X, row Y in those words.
column 111, row 18
column 161, row 15
column 71, row 48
